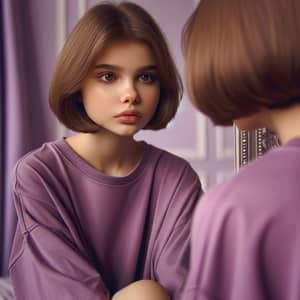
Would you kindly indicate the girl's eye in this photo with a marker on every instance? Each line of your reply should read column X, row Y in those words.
column 107, row 77
column 147, row 78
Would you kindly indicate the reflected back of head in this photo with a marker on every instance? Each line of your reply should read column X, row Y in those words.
column 241, row 56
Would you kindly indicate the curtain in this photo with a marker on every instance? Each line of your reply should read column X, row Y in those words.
column 25, row 118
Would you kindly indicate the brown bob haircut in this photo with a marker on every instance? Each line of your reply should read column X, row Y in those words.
column 242, row 56
column 101, row 26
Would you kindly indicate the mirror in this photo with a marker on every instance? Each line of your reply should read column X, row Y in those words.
column 251, row 145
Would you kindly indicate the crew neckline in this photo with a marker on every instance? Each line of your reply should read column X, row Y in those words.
column 82, row 165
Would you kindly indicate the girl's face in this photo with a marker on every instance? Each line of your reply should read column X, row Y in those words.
column 122, row 90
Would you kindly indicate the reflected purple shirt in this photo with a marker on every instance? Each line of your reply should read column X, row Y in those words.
column 245, row 233
column 84, row 235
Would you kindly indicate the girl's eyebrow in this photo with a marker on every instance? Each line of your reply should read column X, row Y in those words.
column 118, row 68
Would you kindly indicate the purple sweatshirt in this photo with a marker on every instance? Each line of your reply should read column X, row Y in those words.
column 246, row 233
column 84, row 235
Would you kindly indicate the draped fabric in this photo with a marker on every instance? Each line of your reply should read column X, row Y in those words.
column 24, row 114
column 1, row 134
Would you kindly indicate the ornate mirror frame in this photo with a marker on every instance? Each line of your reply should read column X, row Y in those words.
column 250, row 145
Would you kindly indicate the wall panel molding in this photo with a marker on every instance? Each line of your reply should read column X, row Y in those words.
column 200, row 151
column 222, row 153
column 82, row 7
column 61, row 23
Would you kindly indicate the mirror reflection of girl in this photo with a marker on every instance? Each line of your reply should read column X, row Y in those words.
column 243, row 66
column 100, row 212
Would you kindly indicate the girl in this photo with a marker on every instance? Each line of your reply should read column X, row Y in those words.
column 243, row 66
column 99, row 210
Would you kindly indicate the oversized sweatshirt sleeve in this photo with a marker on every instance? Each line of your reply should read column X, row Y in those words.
column 48, row 260
column 172, row 260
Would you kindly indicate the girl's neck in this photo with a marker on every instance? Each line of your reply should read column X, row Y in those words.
column 112, row 155
column 286, row 123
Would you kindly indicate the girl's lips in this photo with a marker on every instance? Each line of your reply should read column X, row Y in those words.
column 129, row 113
column 129, row 117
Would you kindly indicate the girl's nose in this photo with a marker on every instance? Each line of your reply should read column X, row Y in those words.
column 130, row 94
column 129, row 98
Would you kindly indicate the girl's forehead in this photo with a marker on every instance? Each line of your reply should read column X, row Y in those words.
column 124, row 52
